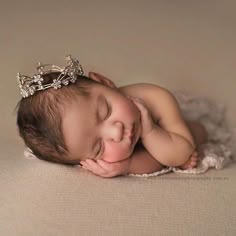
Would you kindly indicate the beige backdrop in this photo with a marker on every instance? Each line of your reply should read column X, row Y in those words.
column 177, row 44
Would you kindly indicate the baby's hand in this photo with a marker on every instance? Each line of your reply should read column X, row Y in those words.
column 191, row 162
column 105, row 169
column 146, row 118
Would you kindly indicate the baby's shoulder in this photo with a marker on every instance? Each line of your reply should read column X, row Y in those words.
column 156, row 98
column 141, row 90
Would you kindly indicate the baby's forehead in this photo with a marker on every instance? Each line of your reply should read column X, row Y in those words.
column 88, row 97
column 70, row 96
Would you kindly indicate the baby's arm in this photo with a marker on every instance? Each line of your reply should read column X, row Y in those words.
column 170, row 149
column 170, row 142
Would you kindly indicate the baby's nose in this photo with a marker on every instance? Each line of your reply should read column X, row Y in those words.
column 117, row 131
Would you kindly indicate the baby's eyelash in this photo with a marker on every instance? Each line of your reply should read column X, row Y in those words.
column 108, row 111
column 102, row 148
column 99, row 150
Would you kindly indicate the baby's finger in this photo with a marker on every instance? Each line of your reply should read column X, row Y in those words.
column 138, row 100
column 109, row 167
column 112, row 168
column 141, row 106
column 93, row 166
column 102, row 168
column 84, row 167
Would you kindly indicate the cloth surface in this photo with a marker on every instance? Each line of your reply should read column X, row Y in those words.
column 41, row 198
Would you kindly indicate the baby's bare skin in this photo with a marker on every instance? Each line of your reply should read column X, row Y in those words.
column 200, row 136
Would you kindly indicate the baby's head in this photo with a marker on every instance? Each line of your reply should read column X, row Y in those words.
column 88, row 119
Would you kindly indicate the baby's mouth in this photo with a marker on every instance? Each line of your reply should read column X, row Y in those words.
column 134, row 138
column 129, row 132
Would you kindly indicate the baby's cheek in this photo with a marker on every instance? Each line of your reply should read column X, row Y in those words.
column 115, row 154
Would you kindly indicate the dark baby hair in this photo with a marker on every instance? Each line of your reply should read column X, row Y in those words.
column 39, row 118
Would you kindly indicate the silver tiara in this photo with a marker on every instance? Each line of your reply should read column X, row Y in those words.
column 29, row 85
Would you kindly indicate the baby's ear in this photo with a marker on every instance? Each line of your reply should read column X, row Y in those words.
column 101, row 79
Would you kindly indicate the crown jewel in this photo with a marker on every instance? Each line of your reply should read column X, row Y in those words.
column 29, row 85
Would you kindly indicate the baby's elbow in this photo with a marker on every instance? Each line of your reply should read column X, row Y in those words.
column 179, row 157
column 185, row 156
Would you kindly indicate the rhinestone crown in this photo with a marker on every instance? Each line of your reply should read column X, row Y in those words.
column 29, row 85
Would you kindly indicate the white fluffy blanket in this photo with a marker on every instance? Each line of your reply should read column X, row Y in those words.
column 218, row 151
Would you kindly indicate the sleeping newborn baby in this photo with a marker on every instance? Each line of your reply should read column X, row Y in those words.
column 69, row 118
